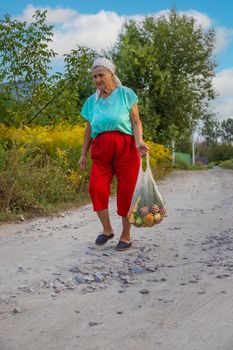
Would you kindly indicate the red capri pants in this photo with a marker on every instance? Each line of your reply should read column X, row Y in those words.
column 113, row 153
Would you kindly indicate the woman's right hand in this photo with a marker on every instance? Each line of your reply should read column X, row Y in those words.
column 83, row 162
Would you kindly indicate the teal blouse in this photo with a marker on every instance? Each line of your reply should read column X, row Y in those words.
column 111, row 113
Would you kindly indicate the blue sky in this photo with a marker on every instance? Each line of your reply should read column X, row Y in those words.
column 96, row 24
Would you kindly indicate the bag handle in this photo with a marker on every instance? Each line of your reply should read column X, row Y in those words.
column 148, row 168
column 147, row 160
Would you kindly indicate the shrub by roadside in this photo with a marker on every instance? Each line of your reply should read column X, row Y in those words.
column 39, row 170
column 228, row 164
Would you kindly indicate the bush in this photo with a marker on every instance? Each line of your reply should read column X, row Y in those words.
column 216, row 152
column 227, row 164
column 39, row 168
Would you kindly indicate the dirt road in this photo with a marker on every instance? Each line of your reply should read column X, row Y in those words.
column 172, row 291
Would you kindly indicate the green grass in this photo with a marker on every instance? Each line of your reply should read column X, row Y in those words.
column 228, row 164
column 42, row 188
column 180, row 165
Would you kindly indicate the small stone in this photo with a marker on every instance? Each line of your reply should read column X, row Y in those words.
column 70, row 285
column 75, row 269
column 99, row 277
column 153, row 280
column 22, row 218
column 79, row 279
column 151, row 269
column 89, row 279
column 137, row 269
column 21, row 269
column 166, row 301
column 92, row 324
column 119, row 312
column 144, row 291
column 146, row 250
column 201, row 292
column 16, row 310
column 77, row 311
column 106, row 254
column 121, row 291
column 163, row 279
column 26, row 289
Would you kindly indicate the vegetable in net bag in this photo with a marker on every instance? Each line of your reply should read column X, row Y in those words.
column 147, row 206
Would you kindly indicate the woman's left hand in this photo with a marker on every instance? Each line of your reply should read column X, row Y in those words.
column 142, row 148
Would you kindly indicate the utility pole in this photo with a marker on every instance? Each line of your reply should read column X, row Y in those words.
column 173, row 152
column 193, row 147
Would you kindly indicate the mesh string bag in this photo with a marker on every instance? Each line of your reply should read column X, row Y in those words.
column 147, row 206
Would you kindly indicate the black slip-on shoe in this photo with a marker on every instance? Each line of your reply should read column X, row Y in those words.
column 102, row 239
column 123, row 246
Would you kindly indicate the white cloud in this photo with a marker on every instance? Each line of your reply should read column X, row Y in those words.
column 99, row 31
column 223, row 84
column 201, row 18
column 54, row 16
column 223, row 39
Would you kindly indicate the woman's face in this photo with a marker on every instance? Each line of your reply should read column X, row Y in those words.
column 102, row 78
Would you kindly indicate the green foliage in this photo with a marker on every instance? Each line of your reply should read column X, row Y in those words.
column 228, row 164
column 39, row 168
column 215, row 152
column 25, row 61
column 168, row 61
column 69, row 91
column 77, row 71
column 227, row 130
column 31, row 181
column 211, row 130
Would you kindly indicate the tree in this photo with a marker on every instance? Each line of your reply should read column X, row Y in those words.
column 168, row 62
column 25, row 60
column 211, row 130
column 78, row 73
column 227, row 130
column 71, row 90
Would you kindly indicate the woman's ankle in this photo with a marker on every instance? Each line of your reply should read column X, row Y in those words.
column 125, row 238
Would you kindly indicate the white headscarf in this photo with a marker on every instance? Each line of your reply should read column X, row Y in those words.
column 104, row 62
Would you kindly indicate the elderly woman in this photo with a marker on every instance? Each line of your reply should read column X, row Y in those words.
column 114, row 132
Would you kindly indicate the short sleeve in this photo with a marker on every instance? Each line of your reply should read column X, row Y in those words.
column 130, row 98
column 85, row 113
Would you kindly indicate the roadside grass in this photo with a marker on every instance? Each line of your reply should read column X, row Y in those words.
column 180, row 165
column 228, row 164
column 39, row 172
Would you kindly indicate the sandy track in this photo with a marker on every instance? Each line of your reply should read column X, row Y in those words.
column 172, row 291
